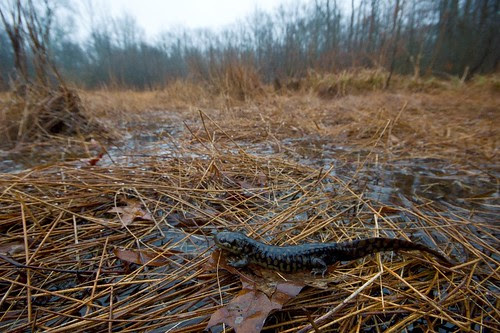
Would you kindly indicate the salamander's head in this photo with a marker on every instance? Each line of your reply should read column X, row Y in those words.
column 231, row 241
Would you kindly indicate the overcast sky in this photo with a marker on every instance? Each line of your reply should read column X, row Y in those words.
column 155, row 16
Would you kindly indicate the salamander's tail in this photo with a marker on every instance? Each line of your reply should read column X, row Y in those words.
column 362, row 247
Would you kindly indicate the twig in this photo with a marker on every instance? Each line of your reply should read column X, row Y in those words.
column 332, row 312
column 48, row 269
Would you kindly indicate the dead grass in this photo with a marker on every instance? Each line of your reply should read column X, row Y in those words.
column 33, row 112
column 64, row 225
column 58, row 218
column 130, row 103
column 347, row 82
column 43, row 124
column 452, row 125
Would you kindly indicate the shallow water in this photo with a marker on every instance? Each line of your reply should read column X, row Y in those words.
column 473, row 189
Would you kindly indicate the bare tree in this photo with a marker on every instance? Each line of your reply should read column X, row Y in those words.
column 395, row 32
column 14, row 26
column 457, row 37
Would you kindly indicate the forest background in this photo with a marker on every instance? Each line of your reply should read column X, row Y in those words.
column 445, row 38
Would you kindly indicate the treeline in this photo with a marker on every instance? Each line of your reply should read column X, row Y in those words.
column 416, row 37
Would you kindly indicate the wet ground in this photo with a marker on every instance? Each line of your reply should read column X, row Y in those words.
column 467, row 194
column 473, row 189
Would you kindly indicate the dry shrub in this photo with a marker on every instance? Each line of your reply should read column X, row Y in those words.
column 288, row 86
column 489, row 83
column 359, row 81
column 34, row 112
column 237, row 81
column 185, row 93
column 423, row 84
column 347, row 82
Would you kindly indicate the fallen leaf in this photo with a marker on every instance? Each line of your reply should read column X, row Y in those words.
column 244, row 184
column 247, row 312
column 132, row 211
column 394, row 139
column 386, row 210
column 260, row 295
column 261, row 178
column 144, row 257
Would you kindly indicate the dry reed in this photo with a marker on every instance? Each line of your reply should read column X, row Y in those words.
column 61, row 214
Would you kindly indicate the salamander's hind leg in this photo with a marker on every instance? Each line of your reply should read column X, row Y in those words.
column 238, row 262
column 319, row 266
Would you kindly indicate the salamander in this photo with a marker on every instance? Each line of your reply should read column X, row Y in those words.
column 315, row 257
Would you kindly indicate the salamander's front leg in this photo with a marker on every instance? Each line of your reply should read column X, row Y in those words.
column 239, row 261
column 319, row 266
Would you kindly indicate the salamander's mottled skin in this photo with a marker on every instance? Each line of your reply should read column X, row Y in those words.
column 315, row 257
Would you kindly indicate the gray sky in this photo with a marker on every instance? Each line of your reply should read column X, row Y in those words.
column 155, row 16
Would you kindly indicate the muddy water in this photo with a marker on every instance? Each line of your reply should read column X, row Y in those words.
column 473, row 188
column 434, row 180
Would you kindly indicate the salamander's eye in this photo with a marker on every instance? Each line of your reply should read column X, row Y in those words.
column 223, row 240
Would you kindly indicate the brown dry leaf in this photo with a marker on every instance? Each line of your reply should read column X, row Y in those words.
column 132, row 211
column 260, row 295
column 245, row 185
column 12, row 248
column 248, row 311
column 245, row 313
column 386, row 210
column 394, row 139
column 261, row 178
column 144, row 257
